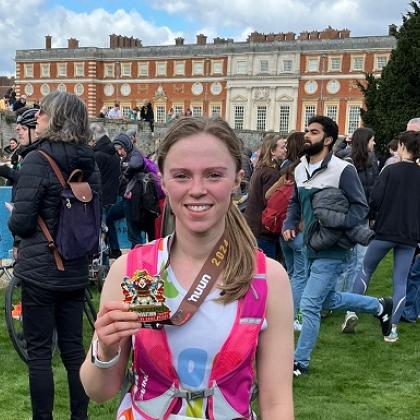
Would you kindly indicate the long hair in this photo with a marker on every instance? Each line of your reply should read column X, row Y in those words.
column 240, row 265
column 359, row 147
column 68, row 118
column 411, row 140
column 295, row 142
column 269, row 144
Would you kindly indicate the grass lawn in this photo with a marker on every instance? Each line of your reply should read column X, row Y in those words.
column 353, row 377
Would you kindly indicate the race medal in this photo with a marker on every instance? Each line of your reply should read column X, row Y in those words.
column 145, row 295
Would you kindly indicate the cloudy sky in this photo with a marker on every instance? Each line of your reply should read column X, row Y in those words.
column 23, row 23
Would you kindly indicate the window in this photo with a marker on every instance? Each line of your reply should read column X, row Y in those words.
column 45, row 70
column 215, row 111
column 217, row 67
column 62, row 69
column 197, row 111
column 239, row 117
column 143, row 69
column 109, row 70
column 353, row 119
column 287, row 65
column 28, row 70
column 381, row 62
column 358, row 63
column 312, row 64
column 179, row 68
column 126, row 69
column 264, row 66
column 335, row 64
column 161, row 68
column 198, row 67
column 241, row 67
column 309, row 113
column 179, row 110
column 332, row 111
column 160, row 114
column 261, row 117
column 79, row 69
column 284, row 118
column 126, row 109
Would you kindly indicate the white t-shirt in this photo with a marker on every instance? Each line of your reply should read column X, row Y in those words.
column 313, row 167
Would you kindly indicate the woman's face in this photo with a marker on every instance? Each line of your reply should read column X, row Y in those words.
column 42, row 120
column 371, row 144
column 280, row 151
column 199, row 176
column 13, row 144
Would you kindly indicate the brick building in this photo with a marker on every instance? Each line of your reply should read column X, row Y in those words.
column 270, row 82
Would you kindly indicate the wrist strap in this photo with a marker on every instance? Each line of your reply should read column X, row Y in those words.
column 99, row 363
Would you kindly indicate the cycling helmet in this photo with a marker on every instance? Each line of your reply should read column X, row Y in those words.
column 27, row 118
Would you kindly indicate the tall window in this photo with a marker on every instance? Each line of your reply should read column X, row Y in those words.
column 179, row 68
column 198, row 67
column 109, row 70
column 179, row 110
column 335, row 64
column 126, row 110
column 332, row 111
column 381, row 62
column 284, row 118
column 287, row 65
column 309, row 113
column 160, row 114
column 45, row 70
column 217, row 67
column 261, row 117
column 215, row 111
column 62, row 69
column 264, row 66
column 79, row 69
column 143, row 69
column 358, row 63
column 241, row 67
column 28, row 70
column 239, row 117
column 161, row 69
column 126, row 69
column 312, row 64
column 353, row 119
column 197, row 111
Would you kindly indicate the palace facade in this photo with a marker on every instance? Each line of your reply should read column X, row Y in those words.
column 270, row 82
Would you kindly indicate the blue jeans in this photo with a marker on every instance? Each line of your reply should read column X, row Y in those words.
column 319, row 293
column 352, row 269
column 412, row 304
column 403, row 256
column 268, row 247
column 296, row 265
column 120, row 210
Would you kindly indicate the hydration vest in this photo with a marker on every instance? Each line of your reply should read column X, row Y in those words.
column 157, row 391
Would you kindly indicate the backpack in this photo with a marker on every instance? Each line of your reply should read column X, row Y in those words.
column 275, row 212
column 78, row 229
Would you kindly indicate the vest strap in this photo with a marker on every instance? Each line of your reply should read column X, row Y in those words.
column 193, row 395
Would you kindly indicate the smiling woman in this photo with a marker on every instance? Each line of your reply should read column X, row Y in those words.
column 241, row 300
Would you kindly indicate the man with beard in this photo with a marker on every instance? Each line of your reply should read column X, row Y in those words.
column 320, row 169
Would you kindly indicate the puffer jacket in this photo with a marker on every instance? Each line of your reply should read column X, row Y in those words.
column 38, row 194
column 330, row 206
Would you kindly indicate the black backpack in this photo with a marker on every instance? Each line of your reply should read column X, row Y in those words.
column 79, row 223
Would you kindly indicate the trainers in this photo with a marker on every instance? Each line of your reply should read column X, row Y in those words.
column 350, row 322
column 299, row 369
column 297, row 326
column 386, row 315
column 393, row 336
column 17, row 312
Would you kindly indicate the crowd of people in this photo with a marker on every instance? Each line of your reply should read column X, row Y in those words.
column 327, row 212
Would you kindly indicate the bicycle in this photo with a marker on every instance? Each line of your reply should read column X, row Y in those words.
column 13, row 299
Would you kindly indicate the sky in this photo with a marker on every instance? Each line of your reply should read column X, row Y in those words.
column 24, row 23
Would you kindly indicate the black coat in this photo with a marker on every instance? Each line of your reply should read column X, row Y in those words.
column 109, row 167
column 38, row 193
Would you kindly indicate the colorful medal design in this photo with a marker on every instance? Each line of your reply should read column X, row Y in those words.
column 145, row 295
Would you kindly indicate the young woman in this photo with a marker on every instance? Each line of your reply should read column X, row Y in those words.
column 179, row 369
column 52, row 299
column 395, row 207
column 266, row 173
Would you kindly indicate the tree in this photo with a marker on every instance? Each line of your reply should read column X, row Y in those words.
column 394, row 99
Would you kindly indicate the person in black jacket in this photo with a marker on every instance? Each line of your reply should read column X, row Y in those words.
column 146, row 114
column 52, row 299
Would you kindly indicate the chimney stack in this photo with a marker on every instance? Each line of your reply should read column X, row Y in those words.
column 179, row 41
column 73, row 43
column 201, row 39
column 392, row 30
column 48, row 39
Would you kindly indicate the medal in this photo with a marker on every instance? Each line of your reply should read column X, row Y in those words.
column 145, row 295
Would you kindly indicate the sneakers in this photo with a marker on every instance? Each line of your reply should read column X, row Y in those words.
column 297, row 326
column 299, row 369
column 393, row 336
column 386, row 315
column 17, row 312
column 350, row 322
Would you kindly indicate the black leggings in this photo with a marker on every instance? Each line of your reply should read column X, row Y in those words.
column 44, row 310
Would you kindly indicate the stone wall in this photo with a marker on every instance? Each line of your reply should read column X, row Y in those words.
column 147, row 142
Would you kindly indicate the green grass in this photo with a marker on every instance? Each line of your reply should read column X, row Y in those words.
column 353, row 377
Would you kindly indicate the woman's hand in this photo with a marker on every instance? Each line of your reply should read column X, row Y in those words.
column 114, row 323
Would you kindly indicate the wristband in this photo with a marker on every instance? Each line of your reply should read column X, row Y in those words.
column 99, row 363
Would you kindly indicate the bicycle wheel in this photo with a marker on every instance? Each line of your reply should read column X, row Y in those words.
column 14, row 325
column 89, row 309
